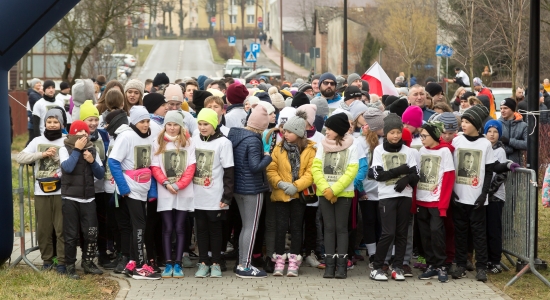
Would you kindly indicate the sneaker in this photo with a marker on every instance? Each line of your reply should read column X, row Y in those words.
column 386, row 268
column 178, row 271
column 269, row 265
column 130, row 268
column 460, row 272
column 350, row 265
column 407, row 271
column 223, row 264
column 90, row 268
column 193, row 255
column 122, row 262
column 279, row 264
column 415, row 253
column 47, row 267
column 168, row 270
column 494, row 269
column 186, row 261
column 229, row 247
column 397, row 274
column 71, row 272
column 481, row 275
column 112, row 265
column 61, row 269
column 470, row 266
column 145, row 273
column 322, row 266
column 203, row 271
column 371, row 261
column 430, row 273
column 294, row 262
column 153, row 264
column 311, row 260
column 442, row 275
column 378, row 275
column 251, row 272
column 215, row 271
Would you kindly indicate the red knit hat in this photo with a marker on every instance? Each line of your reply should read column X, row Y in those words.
column 407, row 137
column 236, row 93
column 77, row 126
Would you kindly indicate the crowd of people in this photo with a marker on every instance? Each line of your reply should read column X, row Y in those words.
column 316, row 171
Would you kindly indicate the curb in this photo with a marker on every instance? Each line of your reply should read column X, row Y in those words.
column 124, row 287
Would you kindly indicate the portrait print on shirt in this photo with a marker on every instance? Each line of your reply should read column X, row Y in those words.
column 175, row 163
column 429, row 172
column 47, row 166
column 100, row 148
column 393, row 160
column 468, row 167
column 334, row 164
column 203, row 170
column 142, row 157
column 108, row 175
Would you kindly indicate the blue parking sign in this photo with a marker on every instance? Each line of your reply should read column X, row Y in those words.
column 255, row 48
column 232, row 40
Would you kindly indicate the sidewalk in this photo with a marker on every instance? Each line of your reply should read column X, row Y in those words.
column 275, row 56
column 309, row 285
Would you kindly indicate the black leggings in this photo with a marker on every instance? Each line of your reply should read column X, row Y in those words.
column 293, row 210
column 335, row 222
column 310, row 230
column 173, row 219
column 153, row 232
column 131, row 223
column 209, row 234
column 113, row 232
column 371, row 221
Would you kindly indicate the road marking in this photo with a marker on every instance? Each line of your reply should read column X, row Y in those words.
column 180, row 55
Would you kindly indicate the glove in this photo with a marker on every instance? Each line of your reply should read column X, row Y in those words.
column 480, row 201
column 401, row 170
column 283, row 185
column 513, row 166
column 329, row 195
column 454, row 197
column 401, row 184
column 175, row 186
column 505, row 140
column 291, row 190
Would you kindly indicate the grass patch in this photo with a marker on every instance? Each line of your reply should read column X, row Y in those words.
column 529, row 286
column 141, row 52
column 19, row 142
column 216, row 55
column 24, row 283
column 17, row 146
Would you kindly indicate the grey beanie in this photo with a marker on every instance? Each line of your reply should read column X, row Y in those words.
column 322, row 106
column 55, row 113
column 356, row 109
column 297, row 124
column 449, row 121
column 392, row 121
column 175, row 116
column 83, row 90
column 374, row 118
column 352, row 77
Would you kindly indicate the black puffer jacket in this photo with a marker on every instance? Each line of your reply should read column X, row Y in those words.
column 250, row 162
column 80, row 182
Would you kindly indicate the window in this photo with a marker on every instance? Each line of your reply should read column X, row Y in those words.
column 250, row 19
column 250, row 2
column 233, row 19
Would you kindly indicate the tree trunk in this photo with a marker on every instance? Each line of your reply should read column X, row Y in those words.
column 181, row 17
column 85, row 52
column 67, row 69
column 471, row 47
column 243, row 3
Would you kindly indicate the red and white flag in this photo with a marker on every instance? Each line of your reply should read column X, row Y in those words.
column 379, row 82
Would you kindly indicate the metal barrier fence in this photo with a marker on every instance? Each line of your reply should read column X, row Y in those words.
column 297, row 56
column 20, row 191
column 519, row 221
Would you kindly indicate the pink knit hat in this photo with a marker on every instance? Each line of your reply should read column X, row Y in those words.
column 413, row 116
column 173, row 92
column 311, row 110
column 258, row 118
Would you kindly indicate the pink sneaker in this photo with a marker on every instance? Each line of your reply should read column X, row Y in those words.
column 146, row 273
column 279, row 264
column 130, row 268
column 294, row 262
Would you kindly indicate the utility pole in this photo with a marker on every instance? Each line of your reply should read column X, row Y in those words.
column 256, row 30
column 281, row 28
column 345, row 52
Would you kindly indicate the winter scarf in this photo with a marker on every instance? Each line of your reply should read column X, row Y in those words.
column 331, row 146
column 158, row 119
column 71, row 140
column 294, row 158
column 53, row 135
column 141, row 135
column 389, row 147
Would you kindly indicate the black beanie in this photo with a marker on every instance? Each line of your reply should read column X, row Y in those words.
column 153, row 101
column 399, row 106
column 64, row 85
column 198, row 99
column 510, row 103
column 115, row 119
column 47, row 84
column 299, row 99
column 476, row 115
column 338, row 123
column 467, row 95
column 392, row 121
column 433, row 88
column 161, row 78
column 388, row 100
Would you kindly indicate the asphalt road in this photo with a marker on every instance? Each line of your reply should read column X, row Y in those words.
column 178, row 59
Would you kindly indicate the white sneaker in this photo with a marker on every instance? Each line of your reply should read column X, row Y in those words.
column 311, row 260
column 378, row 275
column 229, row 247
column 397, row 274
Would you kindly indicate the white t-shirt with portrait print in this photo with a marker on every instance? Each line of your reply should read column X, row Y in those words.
column 46, row 166
column 133, row 152
column 434, row 163
column 388, row 161
column 212, row 157
column 470, row 159
column 173, row 163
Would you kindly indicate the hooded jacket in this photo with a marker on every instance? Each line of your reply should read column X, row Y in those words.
column 33, row 96
column 250, row 162
column 515, row 131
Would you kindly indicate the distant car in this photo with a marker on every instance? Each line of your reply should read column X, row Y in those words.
column 240, row 71
column 256, row 73
column 230, row 64
column 128, row 59
column 272, row 76
column 500, row 94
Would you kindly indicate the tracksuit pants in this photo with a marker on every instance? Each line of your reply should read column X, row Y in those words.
column 78, row 216
column 432, row 235
column 465, row 215
column 131, row 223
column 250, row 207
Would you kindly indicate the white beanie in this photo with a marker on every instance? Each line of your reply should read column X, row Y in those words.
column 253, row 100
column 268, row 107
column 138, row 113
column 285, row 115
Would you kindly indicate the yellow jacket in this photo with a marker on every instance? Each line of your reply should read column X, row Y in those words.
column 279, row 170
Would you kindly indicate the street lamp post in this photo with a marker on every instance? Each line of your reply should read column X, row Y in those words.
column 380, row 57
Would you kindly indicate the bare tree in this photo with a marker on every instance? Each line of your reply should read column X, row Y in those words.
column 86, row 25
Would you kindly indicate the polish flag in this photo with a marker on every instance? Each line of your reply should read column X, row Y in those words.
column 379, row 82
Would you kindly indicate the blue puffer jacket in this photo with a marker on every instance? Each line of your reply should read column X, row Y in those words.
column 250, row 162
